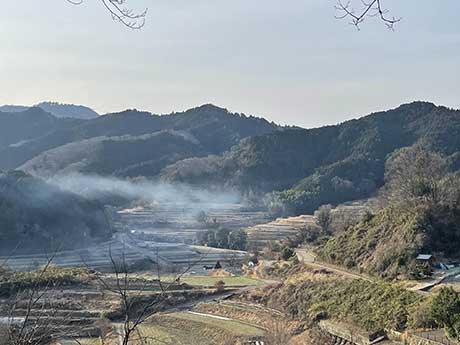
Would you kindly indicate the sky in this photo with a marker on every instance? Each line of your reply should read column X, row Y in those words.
column 291, row 62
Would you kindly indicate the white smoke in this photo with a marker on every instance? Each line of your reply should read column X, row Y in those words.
column 94, row 187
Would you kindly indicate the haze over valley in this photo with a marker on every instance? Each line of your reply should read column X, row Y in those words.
column 211, row 193
column 229, row 173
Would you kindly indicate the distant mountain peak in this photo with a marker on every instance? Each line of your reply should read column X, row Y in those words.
column 209, row 107
column 68, row 110
column 60, row 110
column 418, row 104
column 133, row 111
column 10, row 108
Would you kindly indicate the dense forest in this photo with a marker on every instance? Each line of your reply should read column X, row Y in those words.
column 300, row 169
column 305, row 168
column 214, row 130
column 39, row 216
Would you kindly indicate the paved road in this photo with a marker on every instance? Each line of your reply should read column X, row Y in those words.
column 309, row 258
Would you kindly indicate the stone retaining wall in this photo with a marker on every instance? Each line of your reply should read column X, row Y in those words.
column 429, row 339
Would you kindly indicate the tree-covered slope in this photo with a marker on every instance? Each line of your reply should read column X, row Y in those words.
column 74, row 111
column 420, row 214
column 329, row 164
column 35, row 216
column 127, row 156
column 56, row 109
column 17, row 129
column 215, row 128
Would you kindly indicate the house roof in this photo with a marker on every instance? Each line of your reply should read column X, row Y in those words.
column 424, row 257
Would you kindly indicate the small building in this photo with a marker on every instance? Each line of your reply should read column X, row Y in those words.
column 426, row 259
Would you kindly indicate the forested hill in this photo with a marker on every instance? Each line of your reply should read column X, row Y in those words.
column 18, row 128
column 303, row 167
column 329, row 164
column 38, row 216
column 213, row 130
column 57, row 109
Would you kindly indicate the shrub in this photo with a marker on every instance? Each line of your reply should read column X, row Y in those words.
column 287, row 253
column 219, row 286
column 370, row 305
column 52, row 276
column 445, row 311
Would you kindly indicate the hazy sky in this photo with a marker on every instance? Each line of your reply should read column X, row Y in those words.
column 287, row 60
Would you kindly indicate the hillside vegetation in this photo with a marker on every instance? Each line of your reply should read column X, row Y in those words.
column 17, row 129
column 300, row 169
column 123, row 156
column 311, row 295
column 35, row 216
column 213, row 130
column 59, row 110
column 421, row 214
column 307, row 168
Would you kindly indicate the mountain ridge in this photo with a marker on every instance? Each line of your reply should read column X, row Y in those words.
column 300, row 168
column 60, row 110
column 215, row 128
column 331, row 164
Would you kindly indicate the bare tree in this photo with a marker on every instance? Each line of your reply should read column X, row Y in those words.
column 136, row 304
column 278, row 332
column 30, row 316
column 366, row 9
column 323, row 218
column 414, row 177
column 120, row 12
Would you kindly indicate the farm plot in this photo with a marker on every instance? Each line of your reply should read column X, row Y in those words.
column 193, row 328
column 180, row 224
column 210, row 281
column 278, row 230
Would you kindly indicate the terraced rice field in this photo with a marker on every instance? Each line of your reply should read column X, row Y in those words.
column 162, row 233
column 191, row 328
column 280, row 229
column 254, row 314
column 194, row 328
column 179, row 223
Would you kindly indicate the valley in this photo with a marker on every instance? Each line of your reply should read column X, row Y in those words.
column 135, row 229
column 229, row 172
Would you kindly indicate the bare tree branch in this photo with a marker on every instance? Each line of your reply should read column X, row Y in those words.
column 367, row 9
column 119, row 12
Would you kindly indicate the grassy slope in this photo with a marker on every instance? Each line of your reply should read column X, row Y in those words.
column 383, row 245
column 310, row 295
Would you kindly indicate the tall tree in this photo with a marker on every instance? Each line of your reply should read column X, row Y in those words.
column 414, row 176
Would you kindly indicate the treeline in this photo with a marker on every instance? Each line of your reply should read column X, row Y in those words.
column 224, row 238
